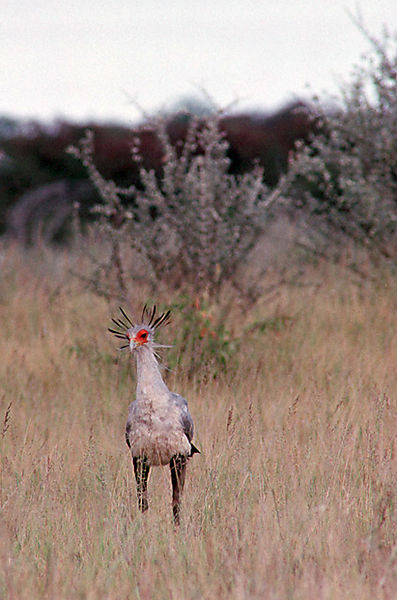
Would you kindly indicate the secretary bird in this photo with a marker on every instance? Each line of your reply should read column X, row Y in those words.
column 159, row 427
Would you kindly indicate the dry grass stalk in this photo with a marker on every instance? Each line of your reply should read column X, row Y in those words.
column 6, row 420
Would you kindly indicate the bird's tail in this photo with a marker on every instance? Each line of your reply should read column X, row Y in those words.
column 194, row 450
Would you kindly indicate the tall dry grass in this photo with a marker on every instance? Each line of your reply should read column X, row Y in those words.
column 293, row 496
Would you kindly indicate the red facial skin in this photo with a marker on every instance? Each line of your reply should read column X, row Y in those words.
column 141, row 337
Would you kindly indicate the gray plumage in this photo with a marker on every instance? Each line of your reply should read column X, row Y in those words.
column 159, row 427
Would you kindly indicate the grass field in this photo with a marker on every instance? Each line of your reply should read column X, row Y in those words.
column 293, row 496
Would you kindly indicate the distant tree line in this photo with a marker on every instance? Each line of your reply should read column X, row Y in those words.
column 41, row 183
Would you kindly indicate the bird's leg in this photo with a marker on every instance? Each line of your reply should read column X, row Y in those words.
column 141, row 470
column 178, row 472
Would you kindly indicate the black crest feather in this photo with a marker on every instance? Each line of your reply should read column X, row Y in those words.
column 126, row 317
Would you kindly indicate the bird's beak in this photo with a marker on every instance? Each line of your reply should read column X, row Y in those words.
column 134, row 344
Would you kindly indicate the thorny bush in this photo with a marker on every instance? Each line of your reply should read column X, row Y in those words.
column 194, row 224
column 346, row 178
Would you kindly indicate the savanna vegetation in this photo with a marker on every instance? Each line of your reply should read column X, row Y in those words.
column 286, row 356
column 293, row 495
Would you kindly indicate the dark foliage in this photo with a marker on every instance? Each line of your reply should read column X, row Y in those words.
column 34, row 155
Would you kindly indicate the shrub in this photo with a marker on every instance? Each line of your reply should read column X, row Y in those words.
column 194, row 224
column 346, row 178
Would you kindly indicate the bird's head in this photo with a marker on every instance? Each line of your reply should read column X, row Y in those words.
column 138, row 335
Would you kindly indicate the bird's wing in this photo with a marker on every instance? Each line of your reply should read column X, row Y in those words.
column 185, row 416
column 131, row 410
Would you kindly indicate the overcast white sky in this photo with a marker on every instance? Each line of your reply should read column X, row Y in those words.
column 82, row 59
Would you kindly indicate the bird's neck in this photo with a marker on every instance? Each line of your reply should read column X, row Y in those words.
column 149, row 377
